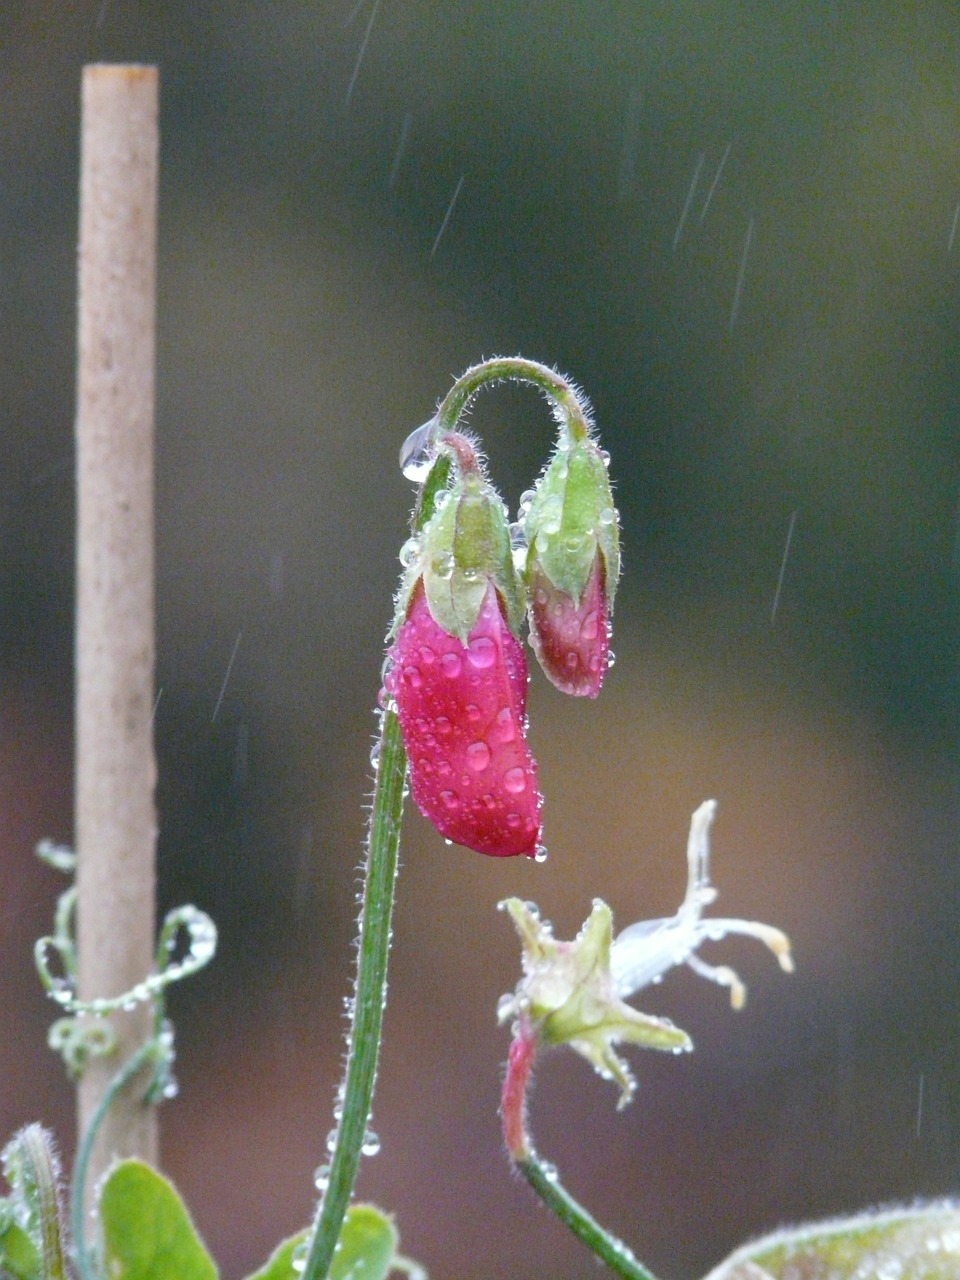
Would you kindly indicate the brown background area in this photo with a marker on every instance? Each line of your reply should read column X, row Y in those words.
column 305, row 328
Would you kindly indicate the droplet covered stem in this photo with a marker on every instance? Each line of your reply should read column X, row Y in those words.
column 569, row 407
column 364, row 1044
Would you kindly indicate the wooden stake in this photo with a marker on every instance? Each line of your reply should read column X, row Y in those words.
column 115, row 818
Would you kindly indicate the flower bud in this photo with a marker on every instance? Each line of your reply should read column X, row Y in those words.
column 459, row 679
column 572, row 568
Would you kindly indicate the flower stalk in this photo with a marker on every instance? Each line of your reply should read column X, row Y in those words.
column 370, row 997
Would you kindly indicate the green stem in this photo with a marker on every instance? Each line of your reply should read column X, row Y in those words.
column 606, row 1247
column 569, row 406
column 370, row 996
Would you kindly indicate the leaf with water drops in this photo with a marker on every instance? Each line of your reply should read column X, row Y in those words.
column 147, row 1231
column 897, row 1244
column 366, row 1250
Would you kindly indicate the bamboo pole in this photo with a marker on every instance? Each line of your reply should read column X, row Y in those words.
column 115, row 770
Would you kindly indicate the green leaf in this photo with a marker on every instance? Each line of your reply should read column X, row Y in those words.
column 366, row 1250
column 19, row 1256
column 147, row 1232
column 898, row 1244
column 279, row 1266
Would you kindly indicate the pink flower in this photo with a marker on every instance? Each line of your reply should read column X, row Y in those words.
column 571, row 640
column 462, row 715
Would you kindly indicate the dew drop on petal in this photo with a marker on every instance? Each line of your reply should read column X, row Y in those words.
column 444, row 768
column 488, row 800
column 442, row 725
column 481, row 652
column 506, row 730
column 427, row 655
column 450, row 799
column 515, row 780
column 513, row 821
column 412, row 676
column 473, row 712
column 450, row 665
column 478, row 756
column 590, row 626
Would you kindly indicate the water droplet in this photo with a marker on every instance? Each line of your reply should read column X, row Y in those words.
column 604, row 457
column 478, row 756
column 444, row 566
column 371, row 1143
column 450, row 799
column 527, row 497
column 481, row 652
column 550, row 515
column 507, row 1003
column 513, row 821
column 515, row 781
column 571, row 660
column 473, row 712
column 488, row 801
column 412, row 676
column 441, row 500
column 375, row 754
column 427, row 655
column 442, row 725
column 416, row 452
column 540, row 854
column 471, row 575
column 574, row 543
column 590, row 626
column 298, row 1259
column 608, row 516
column 321, row 1177
column 505, row 728
column 409, row 552
column 611, row 659
column 518, row 536
column 332, row 1141
column 444, row 768
column 450, row 665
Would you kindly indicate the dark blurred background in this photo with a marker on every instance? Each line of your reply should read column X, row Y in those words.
column 734, row 224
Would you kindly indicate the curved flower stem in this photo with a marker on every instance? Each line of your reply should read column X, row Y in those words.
column 370, row 996
column 542, row 1177
column 570, row 408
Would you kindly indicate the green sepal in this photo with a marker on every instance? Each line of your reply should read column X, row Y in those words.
column 464, row 546
column 569, row 995
column 911, row 1244
column 147, row 1233
column 570, row 516
column 367, row 1249
column 19, row 1256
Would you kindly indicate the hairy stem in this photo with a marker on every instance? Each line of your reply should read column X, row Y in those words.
column 542, row 1177
column 618, row 1257
column 570, row 408
column 370, row 996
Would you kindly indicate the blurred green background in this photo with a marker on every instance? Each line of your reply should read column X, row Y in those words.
column 783, row 353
